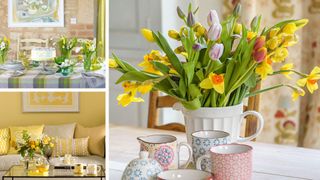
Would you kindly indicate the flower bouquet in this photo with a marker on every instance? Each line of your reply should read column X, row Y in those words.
column 90, row 59
column 217, row 65
column 65, row 46
column 4, row 48
column 66, row 67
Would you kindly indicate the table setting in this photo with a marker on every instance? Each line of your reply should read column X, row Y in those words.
column 54, row 67
column 210, row 76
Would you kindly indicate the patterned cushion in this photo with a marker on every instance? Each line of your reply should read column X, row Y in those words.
column 16, row 134
column 75, row 147
column 65, row 131
column 4, row 141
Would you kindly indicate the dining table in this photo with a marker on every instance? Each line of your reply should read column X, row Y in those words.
column 270, row 161
column 33, row 78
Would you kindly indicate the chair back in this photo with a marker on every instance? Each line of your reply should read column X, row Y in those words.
column 26, row 45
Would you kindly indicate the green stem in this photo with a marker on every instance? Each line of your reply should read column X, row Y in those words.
column 284, row 71
column 264, row 90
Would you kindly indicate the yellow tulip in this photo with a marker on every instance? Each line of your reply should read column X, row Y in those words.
column 147, row 34
column 280, row 55
column 174, row 34
column 199, row 29
column 129, row 86
column 273, row 32
column 289, row 28
column 148, row 66
column 287, row 67
column 145, row 87
column 237, row 29
column 127, row 98
column 264, row 69
column 251, row 35
column 311, row 80
column 214, row 81
column 296, row 93
column 113, row 63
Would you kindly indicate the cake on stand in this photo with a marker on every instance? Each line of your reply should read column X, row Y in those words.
column 44, row 55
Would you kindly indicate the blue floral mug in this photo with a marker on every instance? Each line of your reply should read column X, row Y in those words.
column 202, row 141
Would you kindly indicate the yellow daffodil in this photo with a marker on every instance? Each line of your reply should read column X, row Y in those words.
column 289, row 40
column 147, row 65
column 287, row 67
column 113, row 63
column 311, row 80
column 237, row 29
column 289, row 28
column 251, row 35
column 301, row 23
column 147, row 34
column 129, row 86
column 214, row 81
column 145, row 87
column 264, row 69
column 126, row 98
column 273, row 43
column 174, row 34
column 280, row 55
column 273, row 32
column 296, row 93
column 6, row 40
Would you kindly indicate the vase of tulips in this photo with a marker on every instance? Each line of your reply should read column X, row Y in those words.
column 215, row 68
column 89, row 52
column 4, row 48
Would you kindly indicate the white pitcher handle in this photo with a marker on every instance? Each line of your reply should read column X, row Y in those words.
column 177, row 106
column 259, row 128
column 189, row 151
column 200, row 159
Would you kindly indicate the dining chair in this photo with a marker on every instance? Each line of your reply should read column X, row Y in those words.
column 26, row 45
column 156, row 102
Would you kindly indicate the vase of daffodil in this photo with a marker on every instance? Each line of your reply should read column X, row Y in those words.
column 215, row 68
column 89, row 51
column 66, row 46
column 4, row 48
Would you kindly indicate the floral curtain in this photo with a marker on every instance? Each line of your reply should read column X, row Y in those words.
column 286, row 122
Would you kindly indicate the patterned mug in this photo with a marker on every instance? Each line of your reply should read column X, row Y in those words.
column 230, row 161
column 165, row 149
column 202, row 141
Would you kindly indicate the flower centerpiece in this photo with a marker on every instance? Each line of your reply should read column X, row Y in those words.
column 66, row 47
column 4, row 48
column 215, row 67
column 29, row 147
column 66, row 67
column 89, row 52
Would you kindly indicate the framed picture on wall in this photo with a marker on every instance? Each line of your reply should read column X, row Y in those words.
column 36, row 13
column 50, row 102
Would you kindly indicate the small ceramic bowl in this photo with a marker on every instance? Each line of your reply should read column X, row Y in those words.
column 184, row 174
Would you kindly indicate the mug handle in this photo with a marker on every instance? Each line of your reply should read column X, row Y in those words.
column 189, row 151
column 98, row 169
column 259, row 128
column 199, row 160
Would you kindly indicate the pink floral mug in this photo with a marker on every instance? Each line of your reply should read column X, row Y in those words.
column 165, row 149
column 229, row 161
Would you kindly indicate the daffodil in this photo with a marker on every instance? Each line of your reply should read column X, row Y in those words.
column 311, row 80
column 148, row 58
column 289, row 28
column 273, row 32
column 214, row 81
column 113, row 63
column 296, row 93
column 287, row 68
column 301, row 23
column 147, row 34
column 126, row 98
column 145, row 87
column 129, row 86
column 280, row 54
column 264, row 69
column 273, row 43
column 251, row 35
column 289, row 40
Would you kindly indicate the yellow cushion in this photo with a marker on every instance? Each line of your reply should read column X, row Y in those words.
column 16, row 134
column 75, row 147
column 96, row 138
column 4, row 141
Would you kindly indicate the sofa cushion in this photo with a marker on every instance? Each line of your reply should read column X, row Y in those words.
column 75, row 147
column 6, row 161
column 96, row 138
column 84, row 159
column 16, row 134
column 65, row 131
column 4, row 141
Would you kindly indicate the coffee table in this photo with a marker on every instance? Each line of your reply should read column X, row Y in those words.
column 55, row 172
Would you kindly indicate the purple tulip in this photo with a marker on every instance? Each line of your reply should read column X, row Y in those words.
column 213, row 18
column 197, row 47
column 214, row 32
column 190, row 20
column 216, row 51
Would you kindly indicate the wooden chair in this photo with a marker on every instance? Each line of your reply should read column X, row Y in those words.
column 156, row 102
column 26, row 45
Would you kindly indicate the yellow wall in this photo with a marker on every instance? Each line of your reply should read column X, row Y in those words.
column 92, row 111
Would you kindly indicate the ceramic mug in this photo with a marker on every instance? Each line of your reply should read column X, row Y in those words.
column 202, row 141
column 93, row 169
column 184, row 174
column 165, row 149
column 230, row 161
column 78, row 168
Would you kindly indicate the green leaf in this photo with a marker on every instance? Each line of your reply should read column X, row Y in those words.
column 200, row 74
column 124, row 65
column 189, row 70
column 217, row 65
column 252, row 81
column 161, row 67
column 194, row 91
column 136, row 76
column 192, row 105
column 182, row 88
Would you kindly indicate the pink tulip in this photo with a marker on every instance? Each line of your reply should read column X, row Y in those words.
column 260, row 42
column 216, row 51
column 214, row 32
column 213, row 18
column 260, row 54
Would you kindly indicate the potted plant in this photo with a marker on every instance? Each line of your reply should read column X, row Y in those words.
column 4, row 48
column 214, row 68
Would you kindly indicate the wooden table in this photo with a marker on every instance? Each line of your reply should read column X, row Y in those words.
column 269, row 161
